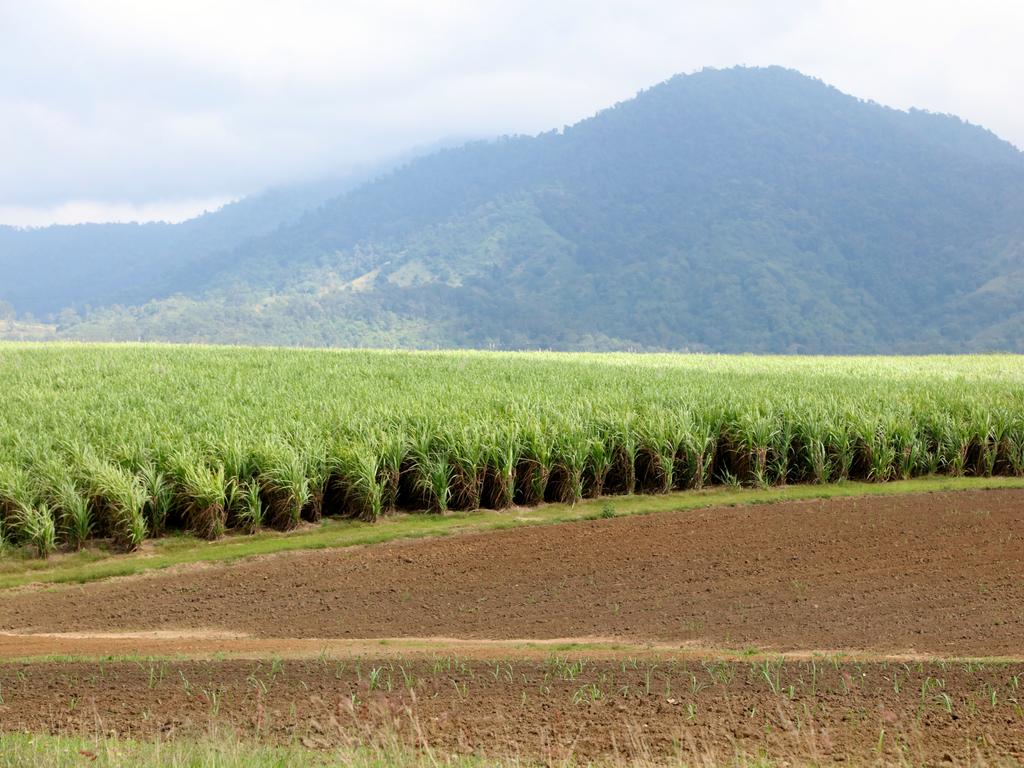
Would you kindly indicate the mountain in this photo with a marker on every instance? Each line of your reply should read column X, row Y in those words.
column 729, row 210
column 49, row 269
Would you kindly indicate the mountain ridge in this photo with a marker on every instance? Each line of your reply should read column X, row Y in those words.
column 728, row 210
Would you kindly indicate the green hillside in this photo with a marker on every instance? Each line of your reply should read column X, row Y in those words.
column 50, row 269
column 734, row 210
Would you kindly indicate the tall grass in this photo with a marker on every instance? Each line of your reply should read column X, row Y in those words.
column 220, row 750
column 124, row 442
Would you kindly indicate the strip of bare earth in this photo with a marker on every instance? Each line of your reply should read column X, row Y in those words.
column 908, row 576
column 45, row 648
column 95, row 563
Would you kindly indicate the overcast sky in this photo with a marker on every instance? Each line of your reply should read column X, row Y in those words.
column 148, row 109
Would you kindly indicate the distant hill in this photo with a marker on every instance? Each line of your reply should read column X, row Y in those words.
column 729, row 210
column 48, row 269
column 44, row 270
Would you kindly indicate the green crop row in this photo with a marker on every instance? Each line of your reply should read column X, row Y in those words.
column 125, row 442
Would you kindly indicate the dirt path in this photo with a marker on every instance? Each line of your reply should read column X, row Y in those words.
column 207, row 646
column 930, row 574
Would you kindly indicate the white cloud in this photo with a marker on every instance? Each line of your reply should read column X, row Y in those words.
column 188, row 99
column 93, row 211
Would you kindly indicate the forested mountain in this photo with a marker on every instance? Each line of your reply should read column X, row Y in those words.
column 730, row 210
column 44, row 270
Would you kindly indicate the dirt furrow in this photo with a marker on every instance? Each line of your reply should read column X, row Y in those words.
column 934, row 573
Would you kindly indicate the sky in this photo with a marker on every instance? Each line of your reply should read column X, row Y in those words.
column 118, row 110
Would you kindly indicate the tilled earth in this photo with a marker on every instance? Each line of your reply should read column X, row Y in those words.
column 703, row 712
column 936, row 573
column 901, row 581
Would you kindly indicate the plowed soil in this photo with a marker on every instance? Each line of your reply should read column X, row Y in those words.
column 901, row 581
column 931, row 574
column 551, row 710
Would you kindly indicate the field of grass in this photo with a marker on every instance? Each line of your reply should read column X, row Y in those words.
column 128, row 442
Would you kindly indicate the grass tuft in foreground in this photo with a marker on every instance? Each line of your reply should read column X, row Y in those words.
column 27, row 750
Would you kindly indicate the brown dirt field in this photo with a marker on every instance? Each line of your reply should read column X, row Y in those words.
column 465, row 634
column 706, row 712
column 926, row 574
